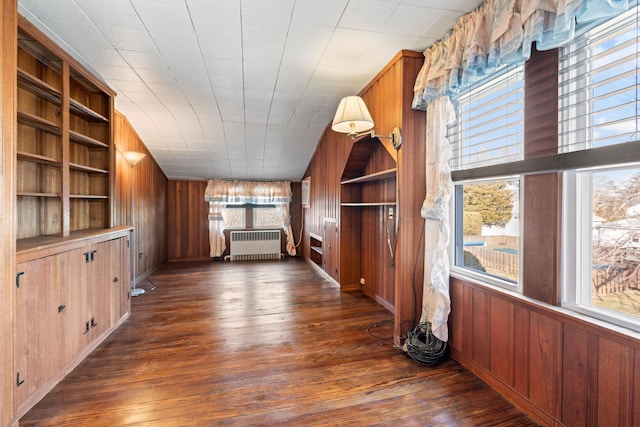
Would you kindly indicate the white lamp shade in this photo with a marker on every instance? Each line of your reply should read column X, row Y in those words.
column 132, row 157
column 352, row 116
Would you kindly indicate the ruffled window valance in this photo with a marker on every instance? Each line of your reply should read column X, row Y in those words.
column 241, row 192
column 501, row 32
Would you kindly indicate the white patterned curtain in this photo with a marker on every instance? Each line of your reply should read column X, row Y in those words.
column 501, row 32
column 435, row 211
column 283, row 209
column 222, row 192
column 217, row 243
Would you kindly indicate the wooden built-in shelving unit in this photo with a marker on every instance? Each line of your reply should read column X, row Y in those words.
column 315, row 247
column 64, row 144
column 72, row 266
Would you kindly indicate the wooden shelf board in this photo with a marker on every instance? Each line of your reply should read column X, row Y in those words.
column 88, row 196
column 35, row 194
column 82, row 110
column 36, row 158
column 78, row 167
column 38, row 87
column 316, row 249
column 39, row 123
column 386, row 174
column 358, row 204
column 86, row 140
column 315, row 236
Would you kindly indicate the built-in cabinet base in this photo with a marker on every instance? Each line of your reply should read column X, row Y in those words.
column 70, row 294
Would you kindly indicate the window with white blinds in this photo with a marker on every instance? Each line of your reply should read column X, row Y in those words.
column 489, row 126
column 598, row 86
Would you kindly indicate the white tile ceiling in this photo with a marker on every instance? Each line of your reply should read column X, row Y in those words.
column 238, row 89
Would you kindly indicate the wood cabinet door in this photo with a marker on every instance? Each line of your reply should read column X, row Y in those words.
column 69, row 275
column 99, row 285
column 120, row 279
column 330, row 248
column 30, row 334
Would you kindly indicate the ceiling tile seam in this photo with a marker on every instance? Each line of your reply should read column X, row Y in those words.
column 273, row 92
column 244, row 90
column 324, row 50
column 213, row 91
column 169, row 111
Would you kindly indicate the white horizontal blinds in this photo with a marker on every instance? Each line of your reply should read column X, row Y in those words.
column 489, row 126
column 598, row 86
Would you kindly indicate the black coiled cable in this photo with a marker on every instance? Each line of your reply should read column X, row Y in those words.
column 422, row 346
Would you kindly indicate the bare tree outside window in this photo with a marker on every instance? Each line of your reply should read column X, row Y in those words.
column 616, row 240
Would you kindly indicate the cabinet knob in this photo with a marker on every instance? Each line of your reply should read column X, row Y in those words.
column 61, row 307
column 115, row 280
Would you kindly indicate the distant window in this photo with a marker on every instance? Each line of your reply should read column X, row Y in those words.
column 266, row 217
column 487, row 231
column 234, row 216
column 251, row 216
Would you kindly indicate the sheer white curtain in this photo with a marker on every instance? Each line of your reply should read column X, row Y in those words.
column 435, row 210
column 219, row 193
column 286, row 225
column 217, row 243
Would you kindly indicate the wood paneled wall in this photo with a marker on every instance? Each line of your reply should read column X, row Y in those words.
column 188, row 225
column 8, row 36
column 360, row 247
column 151, row 189
column 188, row 231
column 560, row 369
column 411, row 193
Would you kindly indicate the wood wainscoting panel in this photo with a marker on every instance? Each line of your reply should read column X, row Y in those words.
column 567, row 370
column 502, row 339
column 482, row 334
column 521, row 354
column 615, row 368
column 579, row 375
column 545, row 338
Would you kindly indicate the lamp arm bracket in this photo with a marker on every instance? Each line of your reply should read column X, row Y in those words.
column 395, row 136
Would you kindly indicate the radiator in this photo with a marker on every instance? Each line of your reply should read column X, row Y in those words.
column 255, row 245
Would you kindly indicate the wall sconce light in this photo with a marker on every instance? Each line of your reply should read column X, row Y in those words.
column 132, row 157
column 353, row 118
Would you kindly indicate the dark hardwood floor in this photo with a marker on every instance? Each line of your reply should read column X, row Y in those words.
column 272, row 343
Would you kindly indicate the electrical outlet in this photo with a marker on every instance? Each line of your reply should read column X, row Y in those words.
column 140, row 255
column 362, row 282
